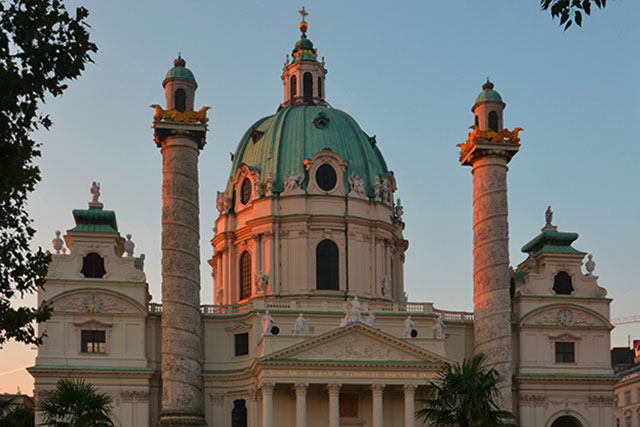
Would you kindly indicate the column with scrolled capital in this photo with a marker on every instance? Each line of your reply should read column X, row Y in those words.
column 301, row 404
column 334, row 405
column 267, row 405
column 376, row 394
column 409, row 405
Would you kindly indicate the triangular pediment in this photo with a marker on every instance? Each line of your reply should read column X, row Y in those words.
column 356, row 342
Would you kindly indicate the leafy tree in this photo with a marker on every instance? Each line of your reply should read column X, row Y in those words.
column 14, row 415
column 570, row 11
column 76, row 403
column 464, row 396
column 42, row 46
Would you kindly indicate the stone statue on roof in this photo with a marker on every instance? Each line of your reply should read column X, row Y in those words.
column 95, row 192
column 548, row 216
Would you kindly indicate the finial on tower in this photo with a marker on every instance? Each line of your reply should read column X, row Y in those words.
column 487, row 85
column 179, row 61
column 303, row 24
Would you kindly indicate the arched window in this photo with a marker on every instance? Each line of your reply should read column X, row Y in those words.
column 493, row 121
column 307, row 87
column 180, row 100
column 93, row 266
column 239, row 413
column 319, row 87
column 562, row 284
column 245, row 275
column 293, row 86
column 327, row 266
column 476, row 121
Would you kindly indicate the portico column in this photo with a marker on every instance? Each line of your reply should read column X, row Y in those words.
column 409, row 405
column 267, row 405
column 376, row 393
column 301, row 405
column 334, row 405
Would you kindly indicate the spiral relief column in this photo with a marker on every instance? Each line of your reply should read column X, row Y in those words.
column 488, row 150
column 180, row 133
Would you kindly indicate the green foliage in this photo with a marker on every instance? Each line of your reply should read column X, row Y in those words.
column 464, row 396
column 42, row 46
column 14, row 415
column 570, row 11
column 76, row 403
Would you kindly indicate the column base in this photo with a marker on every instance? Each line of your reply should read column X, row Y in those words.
column 180, row 419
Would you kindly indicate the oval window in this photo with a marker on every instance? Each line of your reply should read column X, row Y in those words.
column 245, row 191
column 326, row 177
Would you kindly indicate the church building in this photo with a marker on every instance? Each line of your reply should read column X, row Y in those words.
column 311, row 325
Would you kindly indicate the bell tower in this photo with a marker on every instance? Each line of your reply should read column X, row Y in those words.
column 303, row 76
column 180, row 133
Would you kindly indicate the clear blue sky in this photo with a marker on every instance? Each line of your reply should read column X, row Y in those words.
column 408, row 72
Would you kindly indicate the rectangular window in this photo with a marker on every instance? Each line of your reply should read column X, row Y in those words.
column 627, row 397
column 627, row 421
column 93, row 342
column 565, row 352
column 638, row 399
column 242, row 344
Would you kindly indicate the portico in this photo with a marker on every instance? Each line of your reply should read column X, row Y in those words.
column 355, row 375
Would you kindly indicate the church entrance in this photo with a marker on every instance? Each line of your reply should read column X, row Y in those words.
column 566, row 421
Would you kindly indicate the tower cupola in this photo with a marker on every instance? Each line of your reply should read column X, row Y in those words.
column 302, row 75
column 180, row 86
column 488, row 109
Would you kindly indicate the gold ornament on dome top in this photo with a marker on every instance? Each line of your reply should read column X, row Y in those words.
column 173, row 115
column 505, row 136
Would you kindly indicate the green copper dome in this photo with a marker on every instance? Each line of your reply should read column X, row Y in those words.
column 180, row 71
column 488, row 94
column 279, row 144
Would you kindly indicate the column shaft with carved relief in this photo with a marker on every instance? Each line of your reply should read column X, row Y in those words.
column 491, row 276
column 182, row 390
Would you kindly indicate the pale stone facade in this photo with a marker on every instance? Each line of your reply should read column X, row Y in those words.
column 311, row 326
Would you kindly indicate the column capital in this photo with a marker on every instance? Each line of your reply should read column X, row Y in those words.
column 377, row 388
column 301, row 387
column 267, row 388
column 334, row 388
column 409, row 388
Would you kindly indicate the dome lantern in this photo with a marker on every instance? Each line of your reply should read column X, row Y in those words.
column 180, row 86
column 303, row 77
column 488, row 109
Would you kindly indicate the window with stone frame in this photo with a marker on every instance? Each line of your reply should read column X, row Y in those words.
column 245, row 275
column 241, row 342
column 627, row 421
column 293, row 86
column 327, row 272
column 565, row 352
column 239, row 413
column 93, row 341
column 627, row 397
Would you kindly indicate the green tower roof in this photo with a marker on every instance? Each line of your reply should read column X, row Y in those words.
column 179, row 71
column 488, row 94
column 551, row 240
column 279, row 143
column 95, row 220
